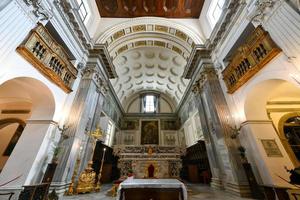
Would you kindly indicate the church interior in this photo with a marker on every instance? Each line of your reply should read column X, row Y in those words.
column 149, row 99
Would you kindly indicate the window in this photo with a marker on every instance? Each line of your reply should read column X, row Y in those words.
column 82, row 10
column 109, row 133
column 215, row 11
column 149, row 105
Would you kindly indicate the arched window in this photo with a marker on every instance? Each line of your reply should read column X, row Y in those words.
column 215, row 11
column 289, row 126
column 149, row 103
column 291, row 130
column 82, row 10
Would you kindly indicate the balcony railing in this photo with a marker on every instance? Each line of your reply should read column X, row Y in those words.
column 258, row 50
column 45, row 54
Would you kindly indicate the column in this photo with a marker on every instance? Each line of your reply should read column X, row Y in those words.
column 215, row 165
column 218, row 122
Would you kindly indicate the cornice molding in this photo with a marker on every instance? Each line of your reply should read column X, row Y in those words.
column 71, row 19
column 232, row 11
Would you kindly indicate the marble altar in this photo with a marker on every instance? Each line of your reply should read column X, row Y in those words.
column 161, row 184
column 166, row 160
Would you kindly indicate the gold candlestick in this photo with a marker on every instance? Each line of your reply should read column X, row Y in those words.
column 98, row 187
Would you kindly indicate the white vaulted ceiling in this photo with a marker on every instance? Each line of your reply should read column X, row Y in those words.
column 150, row 54
column 149, row 68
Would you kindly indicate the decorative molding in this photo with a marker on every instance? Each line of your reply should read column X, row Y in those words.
column 71, row 19
column 227, row 21
column 101, row 51
column 39, row 10
column 198, row 54
column 207, row 72
column 256, row 121
column 262, row 8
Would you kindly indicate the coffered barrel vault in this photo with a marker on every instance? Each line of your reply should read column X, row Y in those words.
column 150, row 57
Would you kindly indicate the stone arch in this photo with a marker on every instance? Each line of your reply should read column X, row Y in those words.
column 30, row 101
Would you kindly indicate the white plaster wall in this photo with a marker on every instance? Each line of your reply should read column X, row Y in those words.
column 192, row 129
column 134, row 106
column 165, row 106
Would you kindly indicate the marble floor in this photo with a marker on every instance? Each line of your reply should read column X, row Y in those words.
column 195, row 192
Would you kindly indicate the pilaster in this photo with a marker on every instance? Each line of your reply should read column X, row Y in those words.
column 218, row 123
column 79, row 122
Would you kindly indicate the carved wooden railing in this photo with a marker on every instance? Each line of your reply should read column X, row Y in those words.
column 258, row 50
column 35, row 192
column 45, row 54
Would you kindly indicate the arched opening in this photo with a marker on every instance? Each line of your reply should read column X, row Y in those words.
column 151, row 171
column 26, row 107
column 289, row 130
column 266, row 105
column 11, row 130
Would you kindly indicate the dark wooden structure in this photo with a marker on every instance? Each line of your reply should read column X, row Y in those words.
column 110, row 170
column 195, row 164
column 157, row 8
column 35, row 192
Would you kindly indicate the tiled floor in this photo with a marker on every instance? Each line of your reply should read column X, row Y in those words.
column 195, row 192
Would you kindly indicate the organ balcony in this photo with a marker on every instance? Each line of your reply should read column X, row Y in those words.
column 249, row 58
column 49, row 57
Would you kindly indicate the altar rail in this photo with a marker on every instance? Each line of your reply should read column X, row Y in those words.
column 147, row 149
column 45, row 54
column 258, row 50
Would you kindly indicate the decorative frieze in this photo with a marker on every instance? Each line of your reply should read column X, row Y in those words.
column 144, row 149
column 50, row 58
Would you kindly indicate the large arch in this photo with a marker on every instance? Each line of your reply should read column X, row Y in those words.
column 31, row 101
column 264, row 104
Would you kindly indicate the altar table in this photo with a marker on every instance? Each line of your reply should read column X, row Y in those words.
column 155, row 189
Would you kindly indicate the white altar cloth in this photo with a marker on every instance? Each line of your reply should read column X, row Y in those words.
column 152, row 183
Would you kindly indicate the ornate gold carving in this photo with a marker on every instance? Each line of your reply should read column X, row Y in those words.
column 86, row 181
column 159, row 43
column 181, row 35
column 139, row 28
column 161, row 28
column 140, row 43
column 118, row 34
column 156, row 168
column 258, row 50
column 176, row 49
column 45, row 54
column 122, row 49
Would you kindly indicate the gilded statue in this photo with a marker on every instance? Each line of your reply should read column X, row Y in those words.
column 86, row 181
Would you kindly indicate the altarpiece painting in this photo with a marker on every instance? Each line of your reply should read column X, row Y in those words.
column 149, row 132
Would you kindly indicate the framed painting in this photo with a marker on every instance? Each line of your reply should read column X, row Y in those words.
column 149, row 132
